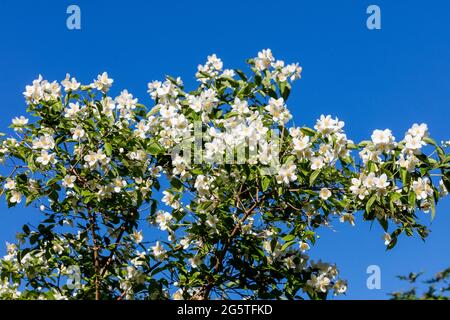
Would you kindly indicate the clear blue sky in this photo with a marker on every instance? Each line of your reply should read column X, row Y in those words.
column 388, row 78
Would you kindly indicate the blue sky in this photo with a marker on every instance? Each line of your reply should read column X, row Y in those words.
column 371, row 79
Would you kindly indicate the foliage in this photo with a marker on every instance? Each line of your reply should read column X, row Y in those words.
column 438, row 287
column 245, row 196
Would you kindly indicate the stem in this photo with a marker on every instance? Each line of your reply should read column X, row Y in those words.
column 219, row 262
column 95, row 248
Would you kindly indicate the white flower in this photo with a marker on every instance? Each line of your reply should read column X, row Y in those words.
column 278, row 110
column 347, row 217
column 69, row 181
column 326, row 125
column 118, row 184
column 70, row 84
column 340, row 287
column 42, row 90
column 141, row 128
column 77, row 133
column 45, row 158
column 211, row 221
column 319, row 283
column 325, row 193
column 300, row 144
column 383, row 140
column 158, row 251
column 317, row 163
column 240, row 106
column 169, row 200
column 19, row 122
column 185, row 243
column 91, row 158
column 264, row 60
column 72, row 110
column 286, row 174
column 387, row 238
column 381, row 182
column 422, row 188
column 289, row 262
column 414, row 143
column 10, row 184
column 126, row 100
column 419, row 130
column 45, row 142
column 16, row 197
column 358, row 188
column 137, row 236
column 442, row 189
column 102, row 83
column 196, row 261
column 164, row 219
column 304, row 246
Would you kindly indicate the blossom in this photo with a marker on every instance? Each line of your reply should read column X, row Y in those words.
column 286, row 173
column 347, row 217
column 324, row 193
column 102, row 83
column 158, row 251
column 240, row 106
column 163, row 219
column 70, row 84
column 358, row 188
column 319, row 283
column 72, row 110
column 118, row 184
column 19, row 122
column 422, row 188
column 77, row 132
column 419, row 130
column 91, row 158
column 278, row 110
column 69, row 181
column 264, row 60
column 137, row 236
column 196, row 261
column 10, row 184
column 340, row 287
column 326, row 125
column 169, row 200
column 317, row 163
column 304, row 246
column 42, row 90
column 387, row 239
column 383, row 140
column 16, row 197
column 45, row 158
column 211, row 221
column 414, row 143
column 125, row 100
column 45, row 142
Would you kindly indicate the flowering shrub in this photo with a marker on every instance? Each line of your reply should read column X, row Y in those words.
column 437, row 288
column 244, row 195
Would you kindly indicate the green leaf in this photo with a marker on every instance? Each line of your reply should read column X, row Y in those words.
column 313, row 177
column 289, row 237
column 108, row 149
column 308, row 131
column 370, row 202
column 433, row 209
column 412, row 199
column 287, row 245
column 154, row 148
column 265, row 182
